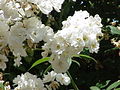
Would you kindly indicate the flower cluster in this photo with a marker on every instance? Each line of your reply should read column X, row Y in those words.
column 19, row 23
column 28, row 81
column 78, row 32
column 20, row 27
column 54, row 78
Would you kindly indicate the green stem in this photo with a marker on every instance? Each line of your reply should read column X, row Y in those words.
column 47, row 69
column 72, row 82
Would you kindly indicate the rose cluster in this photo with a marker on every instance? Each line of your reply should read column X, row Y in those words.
column 78, row 32
column 20, row 27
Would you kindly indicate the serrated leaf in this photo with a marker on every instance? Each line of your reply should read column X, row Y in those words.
column 114, row 85
column 94, row 88
column 40, row 61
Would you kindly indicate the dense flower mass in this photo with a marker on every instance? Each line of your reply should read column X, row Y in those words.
column 79, row 31
column 28, row 81
column 21, row 26
column 18, row 23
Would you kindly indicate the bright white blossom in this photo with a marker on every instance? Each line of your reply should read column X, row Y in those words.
column 56, row 79
column 49, row 77
column 28, row 81
column 78, row 32
column 46, row 6
column 19, row 23
column 63, row 79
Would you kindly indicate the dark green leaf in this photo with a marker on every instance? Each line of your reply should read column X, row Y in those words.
column 85, row 56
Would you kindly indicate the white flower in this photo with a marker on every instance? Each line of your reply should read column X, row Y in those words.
column 17, row 61
column 60, row 63
column 53, row 85
column 9, row 9
column 28, row 81
column 78, row 32
column 3, row 34
column 74, row 0
column 63, row 79
column 3, row 59
column 49, row 77
column 45, row 6
column 57, row 4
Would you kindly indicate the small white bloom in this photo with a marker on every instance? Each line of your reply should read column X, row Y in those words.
column 60, row 64
column 3, row 59
column 45, row 6
column 49, row 77
column 63, row 79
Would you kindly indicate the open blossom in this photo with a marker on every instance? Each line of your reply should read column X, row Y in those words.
column 3, row 34
column 16, row 29
column 49, row 77
column 28, row 81
column 78, row 32
column 63, row 79
column 60, row 63
column 3, row 59
column 46, row 6
column 55, row 80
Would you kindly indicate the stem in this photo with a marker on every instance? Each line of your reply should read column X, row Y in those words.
column 48, row 69
column 72, row 82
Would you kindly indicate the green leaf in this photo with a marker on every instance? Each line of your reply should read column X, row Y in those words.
column 111, row 49
column 103, row 85
column 2, row 86
column 117, row 89
column 76, row 62
column 94, row 88
column 85, row 56
column 39, row 62
column 114, row 85
column 114, row 30
column 48, row 69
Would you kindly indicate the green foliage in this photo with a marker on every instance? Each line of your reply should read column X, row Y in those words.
column 40, row 61
column 94, row 88
column 114, row 30
column 103, row 85
column 114, row 85
column 2, row 86
column 85, row 57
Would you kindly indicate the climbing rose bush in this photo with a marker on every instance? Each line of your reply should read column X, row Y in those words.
column 21, row 27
